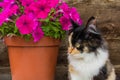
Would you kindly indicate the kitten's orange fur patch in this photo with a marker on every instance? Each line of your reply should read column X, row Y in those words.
column 72, row 70
column 72, row 50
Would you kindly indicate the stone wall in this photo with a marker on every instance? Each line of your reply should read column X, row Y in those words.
column 3, row 55
column 108, row 16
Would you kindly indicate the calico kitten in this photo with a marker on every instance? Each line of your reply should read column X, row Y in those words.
column 88, row 54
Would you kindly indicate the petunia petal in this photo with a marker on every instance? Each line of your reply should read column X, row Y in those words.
column 26, row 24
column 37, row 34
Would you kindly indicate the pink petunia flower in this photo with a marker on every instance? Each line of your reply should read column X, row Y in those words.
column 30, row 9
column 40, row 9
column 26, row 24
column 8, row 0
column 7, row 12
column 65, row 9
column 26, row 3
column 3, row 17
column 74, row 15
column 70, row 13
column 1, row 4
column 6, row 3
column 64, row 6
column 53, row 3
column 37, row 34
column 13, row 9
column 65, row 22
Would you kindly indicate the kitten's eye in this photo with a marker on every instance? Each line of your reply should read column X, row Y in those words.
column 77, row 45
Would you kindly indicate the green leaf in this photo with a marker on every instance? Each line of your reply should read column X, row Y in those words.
column 46, row 20
column 27, row 37
column 15, row 29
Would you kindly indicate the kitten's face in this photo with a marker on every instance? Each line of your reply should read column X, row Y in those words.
column 83, row 40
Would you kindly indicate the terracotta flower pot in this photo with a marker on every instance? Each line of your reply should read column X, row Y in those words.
column 32, row 61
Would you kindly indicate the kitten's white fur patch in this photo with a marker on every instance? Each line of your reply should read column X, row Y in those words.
column 89, row 66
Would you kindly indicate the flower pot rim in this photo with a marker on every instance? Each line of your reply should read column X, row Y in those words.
column 19, row 41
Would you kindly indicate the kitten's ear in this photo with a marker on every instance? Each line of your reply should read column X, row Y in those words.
column 91, row 20
column 92, row 29
column 91, row 26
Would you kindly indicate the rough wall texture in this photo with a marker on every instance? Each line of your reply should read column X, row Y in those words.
column 108, row 14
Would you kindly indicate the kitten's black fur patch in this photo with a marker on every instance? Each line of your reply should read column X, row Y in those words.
column 102, row 74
